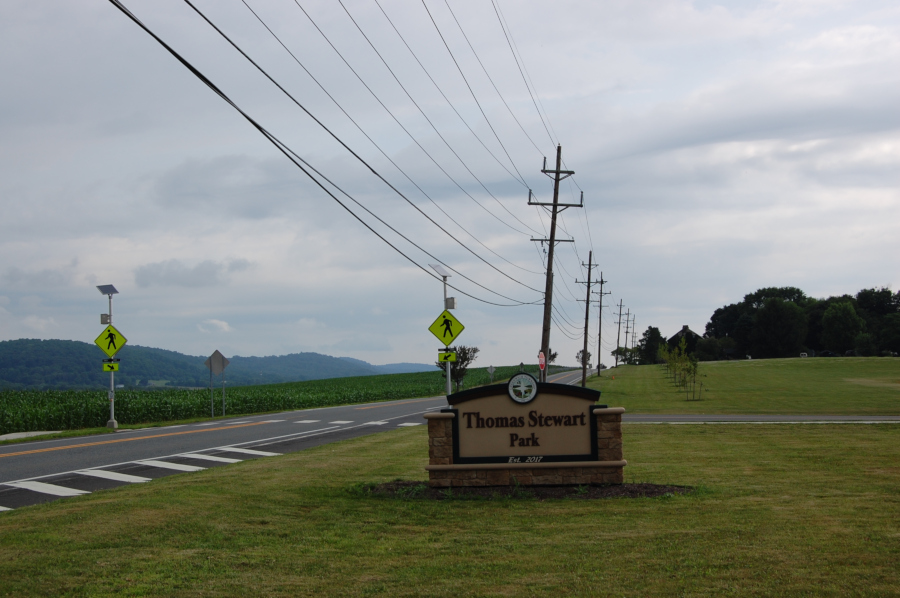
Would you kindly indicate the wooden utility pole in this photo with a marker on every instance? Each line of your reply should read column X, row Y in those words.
column 600, row 323
column 587, row 312
column 557, row 176
column 633, row 334
column 627, row 324
column 619, row 333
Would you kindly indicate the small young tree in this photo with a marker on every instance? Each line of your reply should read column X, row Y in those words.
column 583, row 359
column 465, row 356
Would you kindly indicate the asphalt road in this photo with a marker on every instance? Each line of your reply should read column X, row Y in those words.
column 42, row 471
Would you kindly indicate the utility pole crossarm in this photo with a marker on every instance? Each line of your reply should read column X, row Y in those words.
column 559, row 205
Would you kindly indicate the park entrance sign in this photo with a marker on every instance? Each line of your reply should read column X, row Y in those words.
column 527, row 433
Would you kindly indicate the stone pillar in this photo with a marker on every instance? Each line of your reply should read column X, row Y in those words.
column 440, row 438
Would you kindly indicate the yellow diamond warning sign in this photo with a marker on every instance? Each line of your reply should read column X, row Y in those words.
column 446, row 328
column 110, row 341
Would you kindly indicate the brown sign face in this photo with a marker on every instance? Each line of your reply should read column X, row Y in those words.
column 492, row 427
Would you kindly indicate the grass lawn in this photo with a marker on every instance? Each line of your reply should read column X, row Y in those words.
column 836, row 386
column 780, row 511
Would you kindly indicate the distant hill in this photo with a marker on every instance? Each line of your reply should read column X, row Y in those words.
column 33, row 363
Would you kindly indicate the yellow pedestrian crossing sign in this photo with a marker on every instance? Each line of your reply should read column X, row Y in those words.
column 110, row 341
column 446, row 328
column 110, row 367
column 444, row 356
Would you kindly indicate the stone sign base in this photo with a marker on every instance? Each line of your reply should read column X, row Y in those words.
column 607, row 469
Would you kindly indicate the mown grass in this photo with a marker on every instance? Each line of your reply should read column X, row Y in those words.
column 779, row 511
column 838, row 386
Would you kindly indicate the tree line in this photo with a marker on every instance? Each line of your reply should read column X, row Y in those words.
column 785, row 322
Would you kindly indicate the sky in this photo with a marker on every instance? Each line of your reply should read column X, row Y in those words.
column 721, row 147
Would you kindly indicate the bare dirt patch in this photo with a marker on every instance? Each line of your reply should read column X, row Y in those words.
column 421, row 490
column 874, row 382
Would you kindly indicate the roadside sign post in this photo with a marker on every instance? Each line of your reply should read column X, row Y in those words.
column 216, row 364
column 446, row 328
column 449, row 303
column 110, row 342
column 491, row 369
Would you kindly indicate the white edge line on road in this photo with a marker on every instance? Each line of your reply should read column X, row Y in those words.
column 209, row 458
column 316, row 432
column 113, row 475
column 44, row 488
column 213, row 448
column 163, row 428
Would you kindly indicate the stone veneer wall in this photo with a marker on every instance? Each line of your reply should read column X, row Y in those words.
column 443, row 473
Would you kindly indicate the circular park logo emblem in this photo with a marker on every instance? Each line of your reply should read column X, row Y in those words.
column 522, row 388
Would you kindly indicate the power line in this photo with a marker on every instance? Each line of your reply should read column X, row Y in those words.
column 491, row 79
column 441, row 35
column 357, row 156
column 282, row 147
column 520, row 66
column 526, row 73
column 379, row 148
column 441, row 91
column 383, row 153
column 405, row 130
column 461, row 161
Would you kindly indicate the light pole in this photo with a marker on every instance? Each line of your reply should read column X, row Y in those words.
column 449, row 303
column 109, row 290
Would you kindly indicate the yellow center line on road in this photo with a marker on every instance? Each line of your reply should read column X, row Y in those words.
column 403, row 403
column 72, row 446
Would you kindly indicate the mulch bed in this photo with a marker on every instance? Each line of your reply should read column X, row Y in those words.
column 421, row 490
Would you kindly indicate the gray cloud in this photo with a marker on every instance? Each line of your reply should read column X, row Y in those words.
column 48, row 278
column 174, row 273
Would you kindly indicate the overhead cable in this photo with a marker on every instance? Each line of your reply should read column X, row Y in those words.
column 338, row 139
column 441, row 91
column 383, row 153
column 405, row 130
column 290, row 154
column 416, row 104
column 512, row 42
column 466, row 37
column 474, row 97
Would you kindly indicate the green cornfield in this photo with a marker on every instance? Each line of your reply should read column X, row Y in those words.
column 33, row 410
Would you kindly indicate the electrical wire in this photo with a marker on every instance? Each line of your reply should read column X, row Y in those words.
column 290, row 154
column 441, row 35
column 357, row 156
column 405, row 130
column 510, row 40
column 441, row 91
column 466, row 37
column 416, row 104
column 383, row 153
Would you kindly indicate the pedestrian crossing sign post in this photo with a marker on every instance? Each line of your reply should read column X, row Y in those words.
column 444, row 356
column 110, row 367
column 110, row 341
column 446, row 328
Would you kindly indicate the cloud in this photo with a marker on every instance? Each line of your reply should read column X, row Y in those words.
column 174, row 273
column 229, row 184
column 46, row 278
column 39, row 324
column 218, row 325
